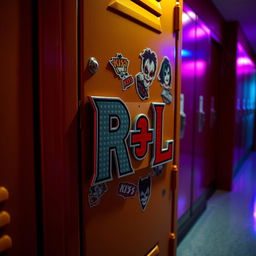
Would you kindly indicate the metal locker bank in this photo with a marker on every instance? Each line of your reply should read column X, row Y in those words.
column 120, row 121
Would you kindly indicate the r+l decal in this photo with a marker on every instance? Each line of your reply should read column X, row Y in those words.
column 111, row 133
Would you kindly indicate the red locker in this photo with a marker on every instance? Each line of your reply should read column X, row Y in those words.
column 17, row 171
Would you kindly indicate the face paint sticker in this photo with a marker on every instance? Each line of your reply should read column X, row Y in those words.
column 120, row 66
column 95, row 193
column 127, row 190
column 147, row 75
column 165, row 78
column 144, row 188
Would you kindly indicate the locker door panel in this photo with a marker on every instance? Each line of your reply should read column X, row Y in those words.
column 116, row 223
column 201, row 105
column 187, row 90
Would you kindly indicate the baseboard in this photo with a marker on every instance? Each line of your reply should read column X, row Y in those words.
column 188, row 219
column 211, row 189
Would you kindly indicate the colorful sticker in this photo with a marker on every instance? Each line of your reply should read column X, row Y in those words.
column 160, row 155
column 147, row 75
column 127, row 190
column 165, row 78
column 141, row 137
column 120, row 65
column 158, row 170
column 111, row 120
column 144, row 189
column 95, row 193
column 111, row 130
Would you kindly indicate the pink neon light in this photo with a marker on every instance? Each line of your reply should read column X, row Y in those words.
column 185, row 19
column 244, row 61
column 200, row 66
column 240, row 48
column 254, row 214
column 189, row 67
column 191, row 14
column 192, row 33
column 200, row 32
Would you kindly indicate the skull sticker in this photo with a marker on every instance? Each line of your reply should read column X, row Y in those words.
column 145, row 78
column 144, row 191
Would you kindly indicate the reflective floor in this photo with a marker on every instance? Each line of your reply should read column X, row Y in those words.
column 228, row 226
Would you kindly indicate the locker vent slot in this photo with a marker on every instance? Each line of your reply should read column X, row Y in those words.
column 146, row 11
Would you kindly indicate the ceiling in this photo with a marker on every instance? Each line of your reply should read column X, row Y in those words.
column 243, row 11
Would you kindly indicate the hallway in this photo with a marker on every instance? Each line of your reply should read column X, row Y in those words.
column 228, row 226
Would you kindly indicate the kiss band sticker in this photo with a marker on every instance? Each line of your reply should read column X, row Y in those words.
column 145, row 78
column 144, row 188
column 95, row 193
column 127, row 190
column 165, row 78
column 120, row 66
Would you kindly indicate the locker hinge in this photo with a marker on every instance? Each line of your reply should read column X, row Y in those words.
column 172, row 236
column 4, row 194
column 174, row 177
column 5, row 243
column 5, row 219
column 176, row 18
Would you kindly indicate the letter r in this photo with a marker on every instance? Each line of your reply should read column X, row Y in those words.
column 110, row 138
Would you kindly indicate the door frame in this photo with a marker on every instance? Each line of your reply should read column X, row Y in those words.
column 58, row 110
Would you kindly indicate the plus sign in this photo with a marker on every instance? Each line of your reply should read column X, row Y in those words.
column 140, row 137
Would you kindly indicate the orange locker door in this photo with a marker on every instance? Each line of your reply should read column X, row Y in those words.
column 129, row 98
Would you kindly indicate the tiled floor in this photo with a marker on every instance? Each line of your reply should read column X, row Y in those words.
column 228, row 226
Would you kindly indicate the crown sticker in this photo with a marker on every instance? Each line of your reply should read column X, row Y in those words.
column 120, row 65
